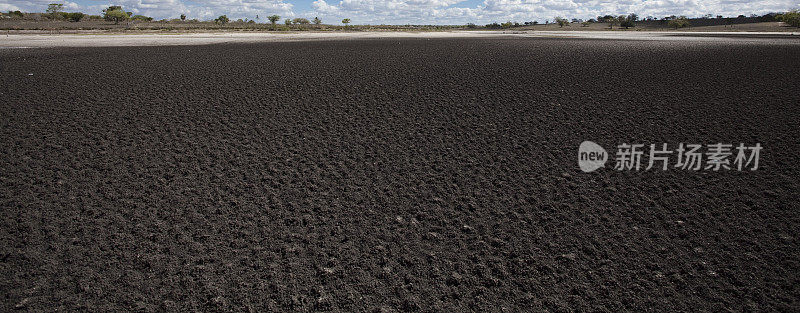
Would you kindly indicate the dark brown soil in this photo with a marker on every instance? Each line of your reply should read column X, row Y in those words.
column 395, row 175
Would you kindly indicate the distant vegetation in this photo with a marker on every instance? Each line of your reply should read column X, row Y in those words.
column 680, row 22
column 791, row 18
column 628, row 21
column 115, row 15
column 562, row 21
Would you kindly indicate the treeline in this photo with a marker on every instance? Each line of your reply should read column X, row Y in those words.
column 274, row 19
column 55, row 12
column 117, row 14
column 791, row 18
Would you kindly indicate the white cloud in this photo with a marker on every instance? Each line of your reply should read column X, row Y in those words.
column 422, row 11
column 452, row 11
column 8, row 7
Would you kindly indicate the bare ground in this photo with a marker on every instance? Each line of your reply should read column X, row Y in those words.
column 395, row 175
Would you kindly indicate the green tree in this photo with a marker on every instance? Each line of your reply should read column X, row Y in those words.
column 628, row 21
column 15, row 14
column 115, row 14
column 54, row 8
column 562, row 21
column 317, row 21
column 346, row 21
column 301, row 21
column 222, row 19
column 611, row 20
column 274, row 19
column 183, row 17
column 791, row 18
column 288, row 21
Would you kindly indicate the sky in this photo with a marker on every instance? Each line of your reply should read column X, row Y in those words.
column 413, row 11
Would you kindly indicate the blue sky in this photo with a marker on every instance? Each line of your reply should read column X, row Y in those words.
column 414, row 11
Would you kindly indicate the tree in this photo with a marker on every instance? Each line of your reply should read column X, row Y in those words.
column 611, row 20
column 317, row 21
column 115, row 14
column 679, row 22
column 183, row 17
column 301, row 21
column 791, row 18
column 274, row 19
column 15, row 14
column 562, row 21
column 222, row 19
column 288, row 21
column 628, row 21
column 346, row 21
column 54, row 8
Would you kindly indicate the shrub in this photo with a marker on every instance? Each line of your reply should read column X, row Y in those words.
column 472, row 25
column 562, row 21
column 317, row 21
column 679, row 22
column 586, row 24
column 74, row 17
column 300, row 21
column 222, row 19
column 15, row 14
column 791, row 18
column 288, row 21
column 141, row 18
